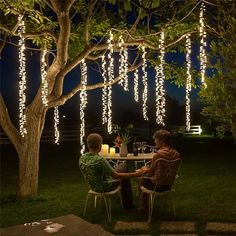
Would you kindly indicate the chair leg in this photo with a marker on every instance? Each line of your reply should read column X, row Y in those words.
column 95, row 201
column 86, row 202
column 107, row 208
column 151, row 205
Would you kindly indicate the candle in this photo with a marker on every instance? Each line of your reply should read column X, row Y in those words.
column 104, row 150
column 112, row 152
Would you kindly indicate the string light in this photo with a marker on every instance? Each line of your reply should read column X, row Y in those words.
column 104, row 91
column 188, row 81
column 44, row 93
column 160, row 77
column 22, row 78
column 136, row 85
column 144, row 83
column 121, row 60
column 123, row 68
column 202, row 31
column 56, row 125
column 110, row 79
column 83, row 103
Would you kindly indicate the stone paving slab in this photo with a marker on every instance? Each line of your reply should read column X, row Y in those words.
column 225, row 228
column 131, row 226
column 177, row 226
column 69, row 225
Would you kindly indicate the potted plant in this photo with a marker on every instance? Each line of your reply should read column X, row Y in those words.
column 121, row 141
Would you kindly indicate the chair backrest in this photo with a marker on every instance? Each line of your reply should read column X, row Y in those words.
column 166, row 171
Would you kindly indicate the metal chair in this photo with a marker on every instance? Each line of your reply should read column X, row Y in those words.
column 89, row 171
column 165, row 174
column 106, row 197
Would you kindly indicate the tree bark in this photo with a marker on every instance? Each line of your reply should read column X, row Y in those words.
column 29, row 158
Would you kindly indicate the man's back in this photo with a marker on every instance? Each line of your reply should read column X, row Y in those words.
column 96, row 171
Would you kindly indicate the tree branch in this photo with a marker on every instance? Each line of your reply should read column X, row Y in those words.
column 29, row 35
column 8, row 126
column 62, row 100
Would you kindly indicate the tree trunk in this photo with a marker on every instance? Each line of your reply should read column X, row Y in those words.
column 29, row 159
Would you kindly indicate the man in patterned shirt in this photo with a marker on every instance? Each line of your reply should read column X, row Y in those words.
column 100, row 175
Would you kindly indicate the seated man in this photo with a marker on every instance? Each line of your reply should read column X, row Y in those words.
column 100, row 175
column 162, row 139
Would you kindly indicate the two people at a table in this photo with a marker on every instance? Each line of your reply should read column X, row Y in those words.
column 103, row 177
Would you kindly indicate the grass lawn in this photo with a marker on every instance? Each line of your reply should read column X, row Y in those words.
column 205, row 190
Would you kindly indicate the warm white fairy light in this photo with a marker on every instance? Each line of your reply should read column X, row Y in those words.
column 188, row 81
column 121, row 60
column 202, row 30
column 160, row 77
column 145, row 89
column 136, row 85
column 22, row 78
column 123, row 67
column 104, row 91
column 44, row 91
column 126, row 69
column 56, row 124
column 110, row 79
column 83, row 103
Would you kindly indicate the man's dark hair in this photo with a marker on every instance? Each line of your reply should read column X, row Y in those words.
column 163, row 135
column 94, row 140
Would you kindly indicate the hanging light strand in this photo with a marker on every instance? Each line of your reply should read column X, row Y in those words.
column 188, row 81
column 145, row 89
column 110, row 80
column 104, row 91
column 22, row 78
column 83, row 103
column 56, row 125
column 126, row 88
column 136, row 85
column 121, row 60
column 123, row 67
column 202, row 31
column 44, row 91
column 158, row 96
column 160, row 91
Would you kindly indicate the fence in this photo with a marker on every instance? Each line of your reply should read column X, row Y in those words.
column 194, row 129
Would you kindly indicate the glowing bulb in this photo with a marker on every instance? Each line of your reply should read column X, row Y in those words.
column 83, row 103
column 145, row 89
column 188, row 81
column 22, row 77
column 202, row 31
column 44, row 91
column 56, row 125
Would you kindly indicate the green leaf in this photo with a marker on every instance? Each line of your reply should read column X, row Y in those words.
column 155, row 3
